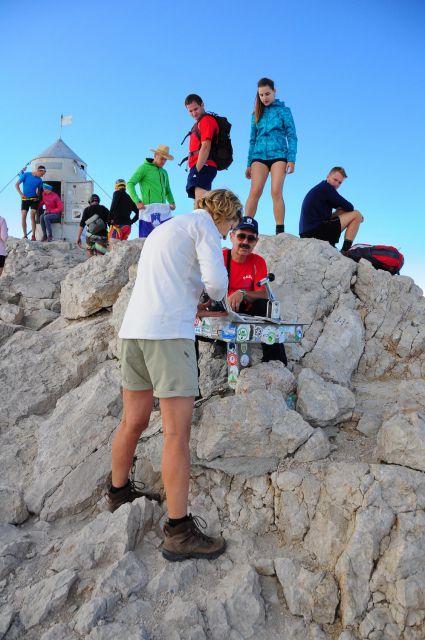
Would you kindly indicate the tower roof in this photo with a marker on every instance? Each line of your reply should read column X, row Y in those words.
column 59, row 150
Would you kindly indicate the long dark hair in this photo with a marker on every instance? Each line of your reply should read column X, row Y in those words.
column 259, row 107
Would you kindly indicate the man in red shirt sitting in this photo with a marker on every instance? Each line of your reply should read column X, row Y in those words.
column 245, row 269
column 202, row 168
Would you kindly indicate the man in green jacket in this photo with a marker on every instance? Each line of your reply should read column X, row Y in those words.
column 154, row 189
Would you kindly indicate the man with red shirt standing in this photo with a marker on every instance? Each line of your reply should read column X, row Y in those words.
column 202, row 169
column 245, row 269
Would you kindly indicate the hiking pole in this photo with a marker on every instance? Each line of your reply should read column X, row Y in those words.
column 15, row 176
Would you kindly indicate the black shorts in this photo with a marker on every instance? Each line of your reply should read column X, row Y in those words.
column 269, row 163
column 30, row 203
column 202, row 179
column 2, row 261
column 329, row 230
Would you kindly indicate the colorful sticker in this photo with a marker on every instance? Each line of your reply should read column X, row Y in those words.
column 206, row 328
column 228, row 332
column 268, row 335
column 245, row 360
column 232, row 359
column 258, row 331
column 243, row 332
column 232, row 380
column 299, row 333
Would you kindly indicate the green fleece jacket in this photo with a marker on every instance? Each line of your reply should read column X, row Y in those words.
column 153, row 184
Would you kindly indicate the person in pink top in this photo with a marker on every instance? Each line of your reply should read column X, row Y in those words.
column 53, row 213
column 3, row 237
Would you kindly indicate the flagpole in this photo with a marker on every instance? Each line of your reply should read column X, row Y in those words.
column 60, row 130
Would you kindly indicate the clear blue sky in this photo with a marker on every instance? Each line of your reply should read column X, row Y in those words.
column 352, row 72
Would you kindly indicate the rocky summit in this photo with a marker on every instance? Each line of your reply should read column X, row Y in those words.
column 322, row 505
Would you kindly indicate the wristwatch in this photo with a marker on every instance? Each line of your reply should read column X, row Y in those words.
column 243, row 292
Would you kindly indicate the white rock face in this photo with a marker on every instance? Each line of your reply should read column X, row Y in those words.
column 96, row 283
column 337, row 352
column 330, row 497
column 313, row 595
column 401, row 440
column 323, row 403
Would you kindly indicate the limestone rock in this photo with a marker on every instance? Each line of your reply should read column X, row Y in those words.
column 172, row 578
column 39, row 369
column 14, row 545
column 253, row 425
column 401, row 440
column 96, row 283
column 119, row 308
column 124, row 577
column 59, row 632
column 104, row 540
column 12, row 505
column 237, row 605
column 45, row 596
column 38, row 319
column 316, row 448
column 323, row 403
column 266, row 376
column 71, row 469
column 11, row 313
column 118, row 630
column 313, row 595
column 296, row 497
column 337, row 352
column 93, row 611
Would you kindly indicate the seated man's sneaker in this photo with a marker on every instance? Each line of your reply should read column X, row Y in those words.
column 186, row 540
column 128, row 494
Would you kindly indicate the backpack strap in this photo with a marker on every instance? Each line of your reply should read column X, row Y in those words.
column 228, row 262
column 194, row 130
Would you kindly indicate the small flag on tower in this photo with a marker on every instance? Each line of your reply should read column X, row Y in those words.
column 66, row 120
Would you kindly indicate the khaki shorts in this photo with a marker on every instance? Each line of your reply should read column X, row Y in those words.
column 166, row 366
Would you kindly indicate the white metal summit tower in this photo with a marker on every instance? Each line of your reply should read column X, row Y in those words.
column 66, row 172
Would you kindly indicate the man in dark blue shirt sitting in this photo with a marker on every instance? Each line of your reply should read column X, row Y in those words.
column 318, row 218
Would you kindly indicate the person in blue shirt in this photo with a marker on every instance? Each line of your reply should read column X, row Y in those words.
column 272, row 150
column 32, row 186
column 325, row 213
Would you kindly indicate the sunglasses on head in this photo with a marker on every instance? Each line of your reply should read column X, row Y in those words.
column 246, row 236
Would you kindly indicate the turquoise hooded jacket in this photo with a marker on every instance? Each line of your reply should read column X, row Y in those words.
column 274, row 135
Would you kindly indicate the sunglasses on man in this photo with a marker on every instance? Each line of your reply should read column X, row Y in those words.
column 249, row 237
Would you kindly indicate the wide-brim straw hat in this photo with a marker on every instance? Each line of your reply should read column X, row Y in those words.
column 163, row 150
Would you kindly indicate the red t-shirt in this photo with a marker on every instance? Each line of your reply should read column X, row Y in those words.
column 207, row 127
column 245, row 275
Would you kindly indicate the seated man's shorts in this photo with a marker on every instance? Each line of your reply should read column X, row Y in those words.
column 2, row 261
column 166, row 366
column 30, row 203
column 202, row 179
column 329, row 230
column 119, row 231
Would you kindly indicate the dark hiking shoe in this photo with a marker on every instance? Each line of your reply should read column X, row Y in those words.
column 186, row 541
column 129, row 493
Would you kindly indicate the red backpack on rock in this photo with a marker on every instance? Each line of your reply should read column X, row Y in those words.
column 382, row 257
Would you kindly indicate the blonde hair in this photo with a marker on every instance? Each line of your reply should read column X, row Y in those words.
column 221, row 204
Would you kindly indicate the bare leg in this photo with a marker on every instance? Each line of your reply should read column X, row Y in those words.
column 176, row 421
column 199, row 192
column 32, row 213
column 24, row 222
column 350, row 221
column 135, row 419
column 259, row 175
column 278, row 173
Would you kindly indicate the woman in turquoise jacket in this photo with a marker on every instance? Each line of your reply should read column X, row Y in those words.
column 272, row 149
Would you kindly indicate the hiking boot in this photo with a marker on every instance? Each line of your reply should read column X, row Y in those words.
column 44, row 239
column 129, row 493
column 33, row 237
column 186, row 540
column 50, row 239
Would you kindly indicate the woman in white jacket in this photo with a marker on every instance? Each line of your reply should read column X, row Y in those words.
column 179, row 259
column 3, row 239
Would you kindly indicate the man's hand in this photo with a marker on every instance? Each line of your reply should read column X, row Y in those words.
column 248, row 173
column 290, row 167
column 172, row 207
column 235, row 300
column 140, row 205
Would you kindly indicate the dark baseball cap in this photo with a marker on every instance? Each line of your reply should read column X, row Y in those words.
column 248, row 223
